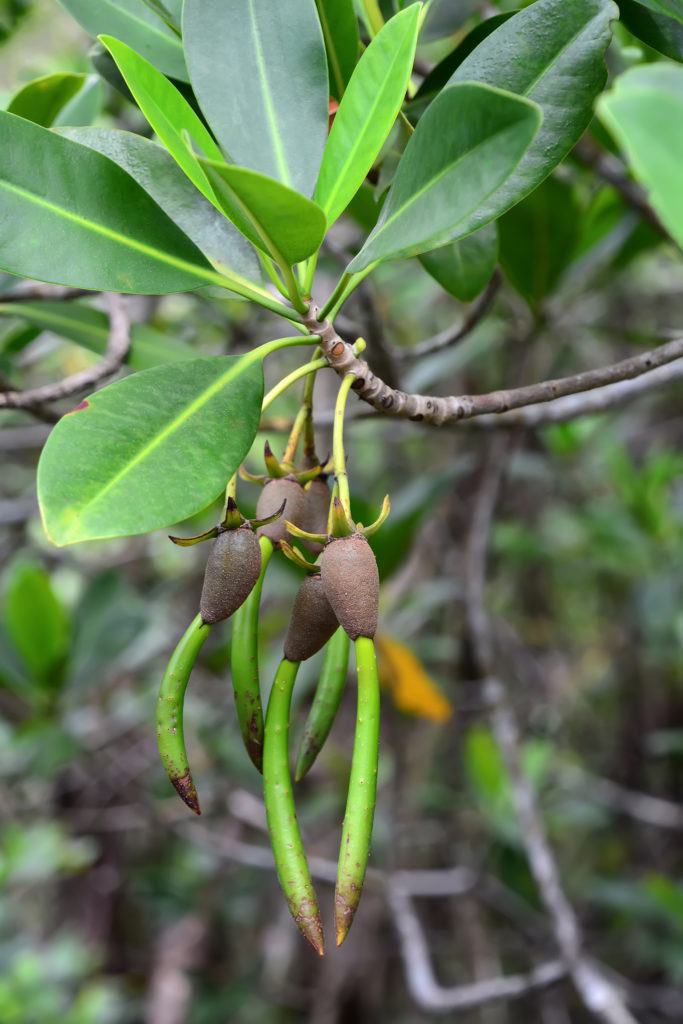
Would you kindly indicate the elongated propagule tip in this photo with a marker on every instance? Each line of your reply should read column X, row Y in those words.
column 344, row 912
column 185, row 789
column 312, row 930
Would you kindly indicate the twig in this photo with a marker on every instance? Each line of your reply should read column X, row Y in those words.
column 451, row 335
column 30, row 291
column 598, row 995
column 425, row 989
column 430, row 409
column 611, row 170
column 641, row 806
column 118, row 346
column 588, row 403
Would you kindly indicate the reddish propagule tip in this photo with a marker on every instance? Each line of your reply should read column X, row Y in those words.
column 312, row 931
column 185, row 789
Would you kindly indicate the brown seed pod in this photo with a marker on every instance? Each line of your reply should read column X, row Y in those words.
column 273, row 494
column 231, row 572
column 312, row 622
column 317, row 509
column 351, row 581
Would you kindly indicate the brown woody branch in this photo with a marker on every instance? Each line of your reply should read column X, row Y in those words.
column 430, row 409
column 118, row 346
column 452, row 335
column 30, row 291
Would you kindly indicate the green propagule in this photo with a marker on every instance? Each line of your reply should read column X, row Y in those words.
column 336, row 602
column 239, row 197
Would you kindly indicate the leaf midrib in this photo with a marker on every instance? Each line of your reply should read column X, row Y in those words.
column 268, row 102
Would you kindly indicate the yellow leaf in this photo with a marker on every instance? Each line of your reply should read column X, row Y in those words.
column 412, row 689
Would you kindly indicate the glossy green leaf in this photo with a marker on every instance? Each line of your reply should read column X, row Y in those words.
column 278, row 220
column 36, row 622
column 538, row 238
column 73, row 217
column 133, row 22
column 149, row 450
column 259, row 72
column 464, row 268
column 641, row 112
column 167, row 111
column 89, row 328
column 445, row 175
column 340, row 32
column 367, row 111
column 661, row 33
column 667, row 8
column 41, row 100
column 156, row 171
column 552, row 53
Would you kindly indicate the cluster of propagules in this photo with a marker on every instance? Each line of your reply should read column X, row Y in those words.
column 337, row 602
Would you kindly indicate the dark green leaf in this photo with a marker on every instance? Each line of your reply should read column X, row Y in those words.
column 445, row 175
column 280, row 221
column 439, row 75
column 72, row 217
column 156, row 171
column 444, row 17
column 661, row 33
column 41, row 100
column 538, row 238
column 367, row 111
column 133, row 22
column 464, row 268
column 36, row 622
column 149, row 450
column 666, row 8
column 89, row 328
column 259, row 71
column 553, row 53
column 640, row 111
column 169, row 114
column 340, row 32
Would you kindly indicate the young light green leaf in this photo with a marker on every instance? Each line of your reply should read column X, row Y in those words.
column 133, row 22
column 367, row 111
column 259, row 72
column 167, row 111
column 112, row 468
column 639, row 112
column 73, row 217
column 340, row 32
column 156, row 171
column 536, row 54
column 42, row 99
column 445, row 175
column 89, row 328
column 36, row 622
column 280, row 221
column 464, row 268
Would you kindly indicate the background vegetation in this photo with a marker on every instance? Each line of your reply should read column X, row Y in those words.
column 118, row 908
